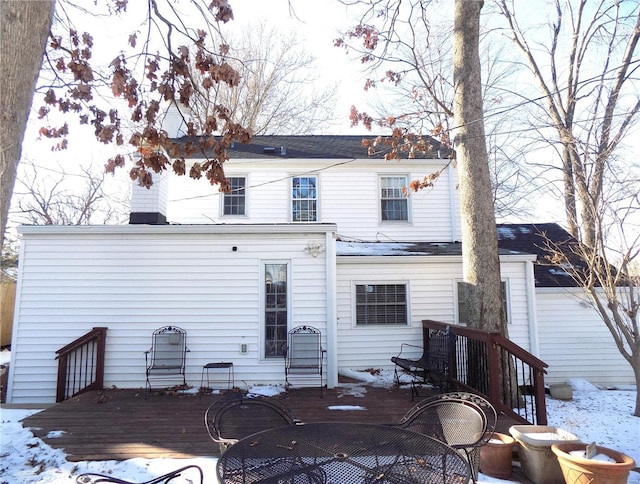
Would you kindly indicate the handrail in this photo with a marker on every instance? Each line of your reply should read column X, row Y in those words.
column 81, row 365
column 510, row 377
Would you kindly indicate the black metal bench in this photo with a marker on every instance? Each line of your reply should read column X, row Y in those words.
column 433, row 364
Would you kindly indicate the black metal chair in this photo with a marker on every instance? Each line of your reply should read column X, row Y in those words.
column 92, row 478
column 167, row 357
column 464, row 421
column 233, row 418
column 304, row 356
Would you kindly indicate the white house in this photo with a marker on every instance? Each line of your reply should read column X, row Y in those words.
column 350, row 253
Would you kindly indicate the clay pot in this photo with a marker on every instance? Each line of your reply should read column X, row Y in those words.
column 496, row 456
column 580, row 470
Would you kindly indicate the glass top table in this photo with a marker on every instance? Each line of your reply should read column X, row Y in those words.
column 339, row 453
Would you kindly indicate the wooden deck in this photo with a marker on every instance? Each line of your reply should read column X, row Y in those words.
column 122, row 424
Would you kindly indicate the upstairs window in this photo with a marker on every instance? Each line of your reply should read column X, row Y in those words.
column 463, row 311
column 394, row 204
column 304, row 199
column 235, row 201
column 381, row 304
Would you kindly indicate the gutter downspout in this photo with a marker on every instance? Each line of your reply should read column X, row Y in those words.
column 534, row 340
column 332, row 322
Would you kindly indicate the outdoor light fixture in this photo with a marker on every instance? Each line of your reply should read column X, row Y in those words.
column 314, row 249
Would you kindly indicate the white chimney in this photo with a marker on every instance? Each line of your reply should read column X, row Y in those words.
column 173, row 122
column 149, row 205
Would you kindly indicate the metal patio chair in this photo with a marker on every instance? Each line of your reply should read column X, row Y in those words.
column 304, row 356
column 235, row 417
column 92, row 478
column 461, row 423
column 166, row 359
column 488, row 412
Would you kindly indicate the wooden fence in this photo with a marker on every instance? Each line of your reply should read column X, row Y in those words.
column 7, row 305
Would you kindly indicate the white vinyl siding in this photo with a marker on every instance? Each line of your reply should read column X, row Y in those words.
column 348, row 194
column 431, row 283
column 136, row 283
column 575, row 343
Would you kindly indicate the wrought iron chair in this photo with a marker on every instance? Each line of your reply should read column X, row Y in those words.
column 231, row 419
column 462, row 420
column 168, row 355
column 92, row 478
column 304, row 355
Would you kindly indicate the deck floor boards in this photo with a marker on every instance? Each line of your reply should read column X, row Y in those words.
column 122, row 424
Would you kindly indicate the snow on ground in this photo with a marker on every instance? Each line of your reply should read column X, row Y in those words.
column 603, row 416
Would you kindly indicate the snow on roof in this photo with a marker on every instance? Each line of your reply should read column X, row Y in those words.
column 377, row 248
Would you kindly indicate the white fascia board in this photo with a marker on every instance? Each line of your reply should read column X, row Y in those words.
column 395, row 259
column 518, row 258
column 297, row 228
column 572, row 290
column 412, row 259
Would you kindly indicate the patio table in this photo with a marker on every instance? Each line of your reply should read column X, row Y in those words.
column 338, row 453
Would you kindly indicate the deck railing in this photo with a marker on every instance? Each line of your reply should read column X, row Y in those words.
column 81, row 365
column 510, row 377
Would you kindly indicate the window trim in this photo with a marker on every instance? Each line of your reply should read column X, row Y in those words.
column 407, row 198
column 354, row 303
column 505, row 282
column 246, row 199
column 263, row 300
column 317, row 198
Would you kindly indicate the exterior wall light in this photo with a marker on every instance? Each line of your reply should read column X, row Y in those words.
column 314, row 249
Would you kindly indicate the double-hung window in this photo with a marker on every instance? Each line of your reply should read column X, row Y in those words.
column 381, row 304
column 235, row 200
column 394, row 203
column 276, row 308
column 304, row 199
column 463, row 309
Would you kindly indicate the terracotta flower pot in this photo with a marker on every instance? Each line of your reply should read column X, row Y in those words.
column 496, row 456
column 577, row 469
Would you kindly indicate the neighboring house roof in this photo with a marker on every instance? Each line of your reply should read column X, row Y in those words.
column 315, row 146
column 534, row 238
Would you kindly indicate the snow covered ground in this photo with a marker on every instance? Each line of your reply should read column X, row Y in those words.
column 594, row 415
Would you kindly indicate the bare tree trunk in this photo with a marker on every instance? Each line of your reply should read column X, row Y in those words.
column 481, row 263
column 569, row 193
column 24, row 29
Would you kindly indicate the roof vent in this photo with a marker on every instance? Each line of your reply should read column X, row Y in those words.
column 269, row 150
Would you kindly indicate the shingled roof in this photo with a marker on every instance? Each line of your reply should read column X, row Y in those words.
column 315, row 146
column 512, row 239
column 533, row 239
